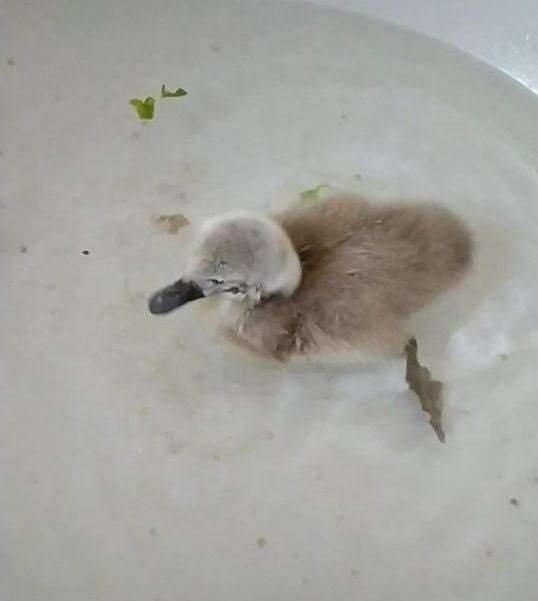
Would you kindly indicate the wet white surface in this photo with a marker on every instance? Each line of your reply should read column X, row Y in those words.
column 145, row 459
column 504, row 34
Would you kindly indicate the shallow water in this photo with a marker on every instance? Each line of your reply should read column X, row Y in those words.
column 145, row 458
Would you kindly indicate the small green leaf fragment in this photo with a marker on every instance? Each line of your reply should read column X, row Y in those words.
column 144, row 108
column 314, row 193
column 177, row 94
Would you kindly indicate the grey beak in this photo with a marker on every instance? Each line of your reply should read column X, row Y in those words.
column 174, row 296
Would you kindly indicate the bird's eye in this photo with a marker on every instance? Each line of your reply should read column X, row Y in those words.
column 233, row 290
column 215, row 280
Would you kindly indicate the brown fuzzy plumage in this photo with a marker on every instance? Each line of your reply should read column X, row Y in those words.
column 365, row 269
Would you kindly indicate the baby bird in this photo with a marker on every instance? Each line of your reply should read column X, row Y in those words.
column 340, row 276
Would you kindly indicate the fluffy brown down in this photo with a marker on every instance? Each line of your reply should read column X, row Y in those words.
column 366, row 269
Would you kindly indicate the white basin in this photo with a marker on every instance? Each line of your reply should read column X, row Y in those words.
column 146, row 459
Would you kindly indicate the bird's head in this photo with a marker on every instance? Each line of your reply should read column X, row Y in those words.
column 238, row 255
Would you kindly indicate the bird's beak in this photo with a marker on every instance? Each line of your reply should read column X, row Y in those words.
column 174, row 296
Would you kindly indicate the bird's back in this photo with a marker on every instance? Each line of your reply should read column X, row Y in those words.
column 405, row 254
